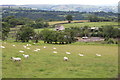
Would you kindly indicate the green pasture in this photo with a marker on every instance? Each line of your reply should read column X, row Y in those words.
column 91, row 24
column 46, row 64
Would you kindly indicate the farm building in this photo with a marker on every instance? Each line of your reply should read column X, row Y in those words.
column 59, row 27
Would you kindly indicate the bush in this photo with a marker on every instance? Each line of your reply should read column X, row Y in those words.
column 110, row 41
column 60, row 37
column 24, row 34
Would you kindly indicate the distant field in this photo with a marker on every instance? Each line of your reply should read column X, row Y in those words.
column 46, row 64
column 57, row 22
column 38, row 30
column 91, row 24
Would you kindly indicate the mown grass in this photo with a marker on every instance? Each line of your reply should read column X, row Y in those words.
column 57, row 22
column 91, row 24
column 39, row 30
column 45, row 64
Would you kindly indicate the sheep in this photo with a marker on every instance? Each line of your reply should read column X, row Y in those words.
column 34, row 43
column 68, row 53
column 98, row 54
column 27, row 45
column 36, row 50
column 24, row 46
column 21, row 51
column 28, row 48
column 65, row 58
column 13, row 45
column 80, row 54
column 54, row 48
column 25, row 56
column 44, row 47
column 2, row 46
column 54, row 51
column 16, row 59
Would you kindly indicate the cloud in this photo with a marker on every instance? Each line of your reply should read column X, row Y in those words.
column 87, row 2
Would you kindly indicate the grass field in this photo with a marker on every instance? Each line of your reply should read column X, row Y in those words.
column 38, row 30
column 46, row 64
column 91, row 24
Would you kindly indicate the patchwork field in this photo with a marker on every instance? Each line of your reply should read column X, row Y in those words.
column 91, row 24
column 46, row 64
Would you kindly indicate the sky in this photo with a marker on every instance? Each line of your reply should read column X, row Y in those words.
column 56, row 2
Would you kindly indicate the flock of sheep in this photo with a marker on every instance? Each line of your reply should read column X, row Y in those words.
column 36, row 50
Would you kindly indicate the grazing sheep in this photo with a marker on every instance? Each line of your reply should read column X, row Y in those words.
column 24, row 46
column 44, row 47
column 68, row 53
column 54, row 51
column 2, row 46
column 54, row 48
column 25, row 56
column 36, row 50
column 28, row 48
column 27, row 45
column 21, row 51
column 65, row 58
column 34, row 43
column 16, row 59
column 98, row 54
column 13, row 45
column 80, row 54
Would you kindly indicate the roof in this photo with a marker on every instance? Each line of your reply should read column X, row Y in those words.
column 59, row 27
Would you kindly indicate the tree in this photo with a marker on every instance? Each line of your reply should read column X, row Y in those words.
column 69, row 18
column 25, row 33
column 38, row 25
column 39, row 20
column 62, row 37
column 5, row 30
column 108, row 31
column 93, row 18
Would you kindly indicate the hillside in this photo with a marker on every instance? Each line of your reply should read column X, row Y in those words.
column 70, row 7
column 80, row 8
column 32, row 13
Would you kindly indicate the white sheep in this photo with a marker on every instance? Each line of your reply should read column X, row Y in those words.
column 54, row 48
column 25, row 56
column 29, row 44
column 21, row 51
column 34, row 43
column 13, row 45
column 68, row 53
column 54, row 51
column 2, row 46
column 80, row 54
column 36, row 50
column 65, row 58
column 44, row 47
column 28, row 48
column 98, row 54
column 16, row 59
column 24, row 46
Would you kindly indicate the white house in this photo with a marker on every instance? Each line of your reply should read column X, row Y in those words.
column 59, row 27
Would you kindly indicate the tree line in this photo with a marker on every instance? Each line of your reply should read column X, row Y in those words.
column 60, row 15
column 66, row 36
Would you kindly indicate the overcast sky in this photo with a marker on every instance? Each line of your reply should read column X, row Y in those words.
column 85, row 2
